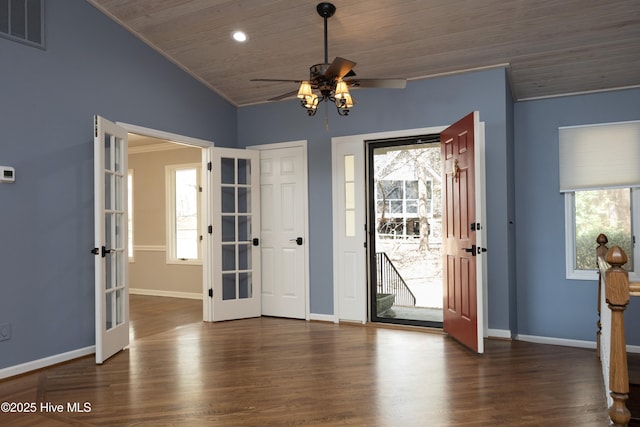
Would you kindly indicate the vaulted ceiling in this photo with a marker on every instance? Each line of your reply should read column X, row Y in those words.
column 549, row 47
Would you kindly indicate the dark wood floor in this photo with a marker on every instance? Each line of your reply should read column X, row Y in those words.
column 180, row 371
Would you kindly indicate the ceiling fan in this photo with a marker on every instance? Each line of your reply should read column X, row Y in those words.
column 331, row 81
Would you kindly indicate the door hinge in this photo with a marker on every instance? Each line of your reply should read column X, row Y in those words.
column 95, row 125
column 210, row 229
column 210, row 293
column 200, row 189
column 475, row 226
column 209, row 166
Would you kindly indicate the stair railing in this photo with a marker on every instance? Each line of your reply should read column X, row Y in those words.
column 614, row 294
column 391, row 282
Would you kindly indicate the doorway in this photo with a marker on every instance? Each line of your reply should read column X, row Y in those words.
column 165, row 254
column 404, row 213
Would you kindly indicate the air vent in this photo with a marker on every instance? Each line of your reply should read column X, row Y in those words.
column 23, row 21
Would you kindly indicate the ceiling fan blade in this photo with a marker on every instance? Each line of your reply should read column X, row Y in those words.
column 284, row 95
column 339, row 68
column 378, row 83
column 275, row 80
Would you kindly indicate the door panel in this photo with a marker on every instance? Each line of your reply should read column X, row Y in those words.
column 111, row 258
column 235, row 216
column 283, row 231
column 462, row 290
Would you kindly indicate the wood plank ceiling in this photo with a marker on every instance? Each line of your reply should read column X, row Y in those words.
column 550, row 47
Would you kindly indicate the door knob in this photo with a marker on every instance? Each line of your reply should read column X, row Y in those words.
column 471, row 250
column 106, row 251
column 298, row 241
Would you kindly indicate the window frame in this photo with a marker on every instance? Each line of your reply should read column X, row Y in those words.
column 170, row 192
column 570, row 239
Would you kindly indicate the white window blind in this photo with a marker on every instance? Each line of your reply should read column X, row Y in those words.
column 599, row 156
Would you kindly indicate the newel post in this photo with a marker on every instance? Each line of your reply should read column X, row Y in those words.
column 601, row 251
column 617, row 297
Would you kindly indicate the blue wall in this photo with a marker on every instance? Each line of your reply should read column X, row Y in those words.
column 548, row 304
column 92, row 66
column 425, row 103
column 48, row 98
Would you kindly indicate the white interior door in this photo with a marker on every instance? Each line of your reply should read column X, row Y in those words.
column 283, row 230
column 111, row 258
column 235, row 218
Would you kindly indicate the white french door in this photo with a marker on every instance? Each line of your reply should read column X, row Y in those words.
column 235, row 219
column 111, row 258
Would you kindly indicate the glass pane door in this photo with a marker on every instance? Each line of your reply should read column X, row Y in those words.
column 111, row 228
column 236, row 284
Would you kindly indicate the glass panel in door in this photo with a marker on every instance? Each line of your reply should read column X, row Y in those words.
column 236, row 211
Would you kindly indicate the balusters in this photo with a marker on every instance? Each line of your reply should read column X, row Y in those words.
column 601, row 251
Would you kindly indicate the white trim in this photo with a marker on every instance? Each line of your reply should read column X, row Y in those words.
column 159, row 293
column 568, row 342
column 303, row 144
column 149, row 248
column 46, row 361
column 556, row 341
column 162, row 146
column 498, row 333
column 584, row 92
column 323, row 318
column 171, row 137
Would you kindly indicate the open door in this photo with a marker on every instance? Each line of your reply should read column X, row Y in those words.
column 235, row 219
column 111, row 259
column 461, row 233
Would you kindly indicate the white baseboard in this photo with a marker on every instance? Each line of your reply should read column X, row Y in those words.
column 158, row 293
column 499, row 333
column 322, row 317
column 556, row 341
column 46, row 361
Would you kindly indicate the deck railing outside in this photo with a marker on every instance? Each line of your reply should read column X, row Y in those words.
column 391, row 282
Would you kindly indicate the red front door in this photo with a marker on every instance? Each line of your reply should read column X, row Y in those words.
column 460, row 251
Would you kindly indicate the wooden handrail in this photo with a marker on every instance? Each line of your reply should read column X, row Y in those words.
column 616, row 282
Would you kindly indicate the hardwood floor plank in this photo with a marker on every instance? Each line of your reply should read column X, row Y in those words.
column 278, row 372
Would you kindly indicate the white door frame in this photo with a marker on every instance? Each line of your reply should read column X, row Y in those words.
column 303, row 145
column 206, row 194
column 356, row 143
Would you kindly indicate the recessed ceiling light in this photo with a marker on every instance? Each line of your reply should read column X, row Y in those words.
column 239, row 36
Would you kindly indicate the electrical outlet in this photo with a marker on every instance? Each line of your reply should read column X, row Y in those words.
column 5, row 331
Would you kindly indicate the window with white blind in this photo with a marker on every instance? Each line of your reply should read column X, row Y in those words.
column 600, row 178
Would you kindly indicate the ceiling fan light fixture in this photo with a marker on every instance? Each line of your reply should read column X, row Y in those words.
column 342, row 90
column 305, row 90
column 326, row 78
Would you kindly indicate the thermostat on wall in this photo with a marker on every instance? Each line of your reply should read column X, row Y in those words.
column 7, row 174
